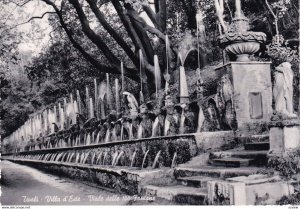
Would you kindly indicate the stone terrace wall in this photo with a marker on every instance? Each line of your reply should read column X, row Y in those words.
column 124, row 175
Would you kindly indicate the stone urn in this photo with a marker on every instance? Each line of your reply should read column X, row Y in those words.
column 239, row 41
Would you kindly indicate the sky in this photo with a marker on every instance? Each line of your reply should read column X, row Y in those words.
column 33, row 42
column 36, row 41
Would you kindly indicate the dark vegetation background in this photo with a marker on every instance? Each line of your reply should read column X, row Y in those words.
column 62, row 67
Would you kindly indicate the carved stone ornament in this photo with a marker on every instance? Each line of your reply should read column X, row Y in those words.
column 241, row 42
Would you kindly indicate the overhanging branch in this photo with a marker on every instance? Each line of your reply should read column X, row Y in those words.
column 101, row 18
column 87, row 56
column 36, row 17
column 151, row 14
column 147, row 27
column 96, row 39
column 20, row 5
column 128, row 26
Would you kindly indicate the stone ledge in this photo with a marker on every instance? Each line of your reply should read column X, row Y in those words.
column 214, row 141
column 117, row 179
column 105, row 145
column 243, row 63
column 255, row 179
column 250, row 190
column 135, row 154
column 284, row 123
column 178, row 193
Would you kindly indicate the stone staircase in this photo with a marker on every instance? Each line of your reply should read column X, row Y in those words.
column 254, row 154
column 190, row 186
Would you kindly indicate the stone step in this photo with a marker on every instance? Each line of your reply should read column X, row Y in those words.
column 195, row 181
column 257, row 146
column 253, row 138
column 231, row 162
column 259, row 157
column 250, row 153
column 178, row 193
column 239, row 153
column 220, row 172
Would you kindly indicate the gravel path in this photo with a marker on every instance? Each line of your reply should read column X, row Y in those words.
column 23, row 185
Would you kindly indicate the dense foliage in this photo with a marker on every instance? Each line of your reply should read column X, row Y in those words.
column 89, row 39
column 293, row 199
column 287, row 165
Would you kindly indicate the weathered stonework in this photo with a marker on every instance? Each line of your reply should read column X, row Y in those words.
column 255, row 189
column 252, row 87
column 124, row 153
column 284, row 135
column 213, row 141
column 226, row 193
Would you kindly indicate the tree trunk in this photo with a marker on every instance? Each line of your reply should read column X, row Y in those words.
column 101, row 18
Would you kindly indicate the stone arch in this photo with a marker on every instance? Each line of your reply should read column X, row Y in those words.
column 191, row 59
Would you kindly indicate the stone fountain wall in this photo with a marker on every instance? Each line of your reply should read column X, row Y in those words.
column 127, row 164
column 184, row 146
column 99, row 164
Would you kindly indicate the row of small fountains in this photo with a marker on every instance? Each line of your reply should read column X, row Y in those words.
column 101, row 158
column 89, row 139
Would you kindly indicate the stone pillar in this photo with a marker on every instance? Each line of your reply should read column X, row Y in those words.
column 237, row 192
column 284, row 135
column 252, row 92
